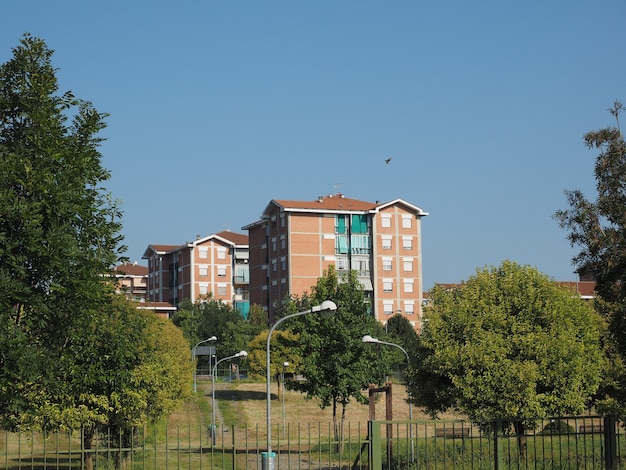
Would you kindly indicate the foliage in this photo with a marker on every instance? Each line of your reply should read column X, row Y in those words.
column 283, row 348
column 598, row 228
column 208, row 317
column 508, row 343
column 59, row 228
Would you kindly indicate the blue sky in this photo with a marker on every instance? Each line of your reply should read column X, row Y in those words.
column 217, row 107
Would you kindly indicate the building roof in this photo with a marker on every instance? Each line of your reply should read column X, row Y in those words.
column 132, row 269
column 332, row 202
column 236, row 238
column 159, row 249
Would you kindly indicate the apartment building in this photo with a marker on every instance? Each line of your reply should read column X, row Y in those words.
column 132, row 281
column 294, row 242
column 216, row 265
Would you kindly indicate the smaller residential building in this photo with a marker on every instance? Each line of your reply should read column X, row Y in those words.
column 215, row 265
column 132, row 281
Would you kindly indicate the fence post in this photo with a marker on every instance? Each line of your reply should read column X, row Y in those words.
column 497, row 445
column 375, row 451
column 610, row 442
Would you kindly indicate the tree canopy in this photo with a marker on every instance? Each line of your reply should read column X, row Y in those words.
column 598, row 228
column 59, row 228
column 508, row 343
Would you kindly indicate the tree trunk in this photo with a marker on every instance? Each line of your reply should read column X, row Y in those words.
column 522, row 443
column 88, row 434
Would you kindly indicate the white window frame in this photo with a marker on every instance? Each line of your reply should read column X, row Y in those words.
column 408, row 285
column 203, row 270
column 388, row 307
column 387, row 285
column 221, row 288
column 407, row 242
column 385, row 220
column 407, row 221
column 221, row 271
column 221, row 252
column 407, row 264
column 386, row 242
column 409, row 307
column 387, row 263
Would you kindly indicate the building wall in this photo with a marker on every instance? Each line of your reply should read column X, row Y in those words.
column 291, row 249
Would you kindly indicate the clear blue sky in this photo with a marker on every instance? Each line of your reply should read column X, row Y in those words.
column 217, row 107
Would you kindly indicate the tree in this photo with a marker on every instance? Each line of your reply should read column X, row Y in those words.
column 283, row 348
column 508, row 343
column 598, row 228
column 338, row 367
column 208, row 317
column 59, row 228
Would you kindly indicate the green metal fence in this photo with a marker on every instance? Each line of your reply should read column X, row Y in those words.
column 589, row 442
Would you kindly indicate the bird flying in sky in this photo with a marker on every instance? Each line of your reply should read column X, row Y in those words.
column 387, row 160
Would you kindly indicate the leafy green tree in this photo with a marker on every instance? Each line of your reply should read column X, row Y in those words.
column 208, row 317
column 402, row 333
column 283, row 348
column 59, row 228
column 337, row 365
column 598, row 228
column 508, row 343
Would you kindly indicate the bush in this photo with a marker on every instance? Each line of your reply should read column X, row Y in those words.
column 558, row 427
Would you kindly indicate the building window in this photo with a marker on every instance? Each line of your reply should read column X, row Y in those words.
column 387, row 285
column 274, row 264
column 387, row 263
column 388, row 307
column 203, row 270
column 409, row 308
column 204, row 253
column 221, row 289
column 274, row 244
column 221, row 271
column 342, row 264
column 359, row 223
column 408, row 285
column 204, row 289
column 282, row 220
column 341, row 225
column 387, row 242
column 341, row 245
column 282, row 242
column 221, row 253
column 385, row 220
column 407, row 221
column 407, row 243
column 408, row 264
column 283, row 263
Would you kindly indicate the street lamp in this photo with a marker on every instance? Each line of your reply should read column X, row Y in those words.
column 212, row 338
column 282, row 383
column 369, row 339
column 327, row 305
column 213, row 372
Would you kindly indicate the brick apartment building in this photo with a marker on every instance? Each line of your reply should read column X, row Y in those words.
column 293, row 242
column 132, row 281
column 216, row 265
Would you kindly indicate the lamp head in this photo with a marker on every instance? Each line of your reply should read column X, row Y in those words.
column 326, row 306
column 369, row 339
column 212, row 338
column 241, row 354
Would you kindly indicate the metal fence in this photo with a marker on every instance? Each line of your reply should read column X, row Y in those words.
column 589, row 442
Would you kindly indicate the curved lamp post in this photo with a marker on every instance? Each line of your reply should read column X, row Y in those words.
column 369, row 339
column 327, row 305
column 213, row 372
column 212, row 338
